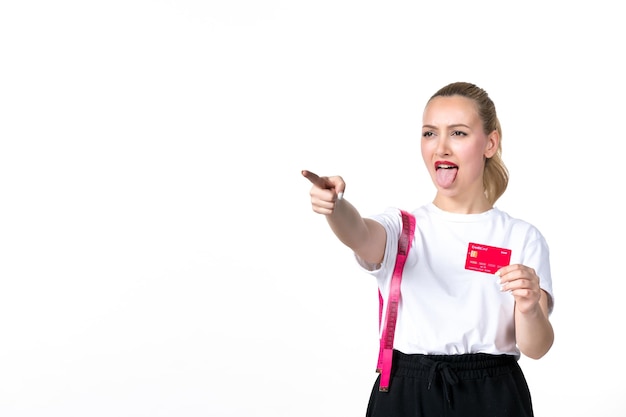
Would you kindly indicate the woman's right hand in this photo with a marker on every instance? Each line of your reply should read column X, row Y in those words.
column 325, row 193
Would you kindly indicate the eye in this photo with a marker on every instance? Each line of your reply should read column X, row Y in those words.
column 458, row 133
column 427, row 134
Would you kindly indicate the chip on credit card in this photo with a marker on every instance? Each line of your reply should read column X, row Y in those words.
column 485, row 258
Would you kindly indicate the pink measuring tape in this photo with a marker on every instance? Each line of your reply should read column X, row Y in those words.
column 385, row 355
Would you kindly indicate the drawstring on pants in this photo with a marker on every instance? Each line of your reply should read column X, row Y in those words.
column 448, row 377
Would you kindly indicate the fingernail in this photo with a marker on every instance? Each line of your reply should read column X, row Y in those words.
column 339, row 196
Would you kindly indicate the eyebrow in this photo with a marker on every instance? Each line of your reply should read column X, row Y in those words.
column 456, row 125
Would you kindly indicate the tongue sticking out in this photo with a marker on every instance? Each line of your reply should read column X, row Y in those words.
column 446, row 176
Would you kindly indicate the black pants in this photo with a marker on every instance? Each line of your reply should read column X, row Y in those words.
column 469, row 385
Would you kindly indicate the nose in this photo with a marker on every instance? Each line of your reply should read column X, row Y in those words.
column 442, row 146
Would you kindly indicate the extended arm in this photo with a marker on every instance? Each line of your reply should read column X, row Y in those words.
column 365, row 237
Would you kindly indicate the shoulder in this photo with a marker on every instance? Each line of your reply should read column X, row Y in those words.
column 391, row 217
column 519, row 227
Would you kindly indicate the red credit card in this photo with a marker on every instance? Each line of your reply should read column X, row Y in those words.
column 485, row 258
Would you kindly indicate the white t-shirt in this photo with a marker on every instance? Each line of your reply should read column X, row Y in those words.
column 446, row 308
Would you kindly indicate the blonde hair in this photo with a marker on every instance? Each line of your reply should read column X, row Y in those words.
column 495, row 175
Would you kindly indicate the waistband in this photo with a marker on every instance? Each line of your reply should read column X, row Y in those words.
column 464, row 366
column 450, row 369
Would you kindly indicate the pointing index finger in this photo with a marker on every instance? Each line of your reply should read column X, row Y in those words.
column 321, row 182
column 325, row 183
column 314, row 178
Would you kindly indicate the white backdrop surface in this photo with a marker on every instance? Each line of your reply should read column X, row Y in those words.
column 158, row 253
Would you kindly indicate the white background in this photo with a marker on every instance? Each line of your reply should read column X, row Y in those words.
column 158, row 252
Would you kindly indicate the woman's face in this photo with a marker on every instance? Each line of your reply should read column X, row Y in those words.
column 454, row 147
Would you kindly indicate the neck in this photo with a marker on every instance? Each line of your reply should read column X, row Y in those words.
column 468, row 206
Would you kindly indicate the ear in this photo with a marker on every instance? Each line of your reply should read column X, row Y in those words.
column 493, row 142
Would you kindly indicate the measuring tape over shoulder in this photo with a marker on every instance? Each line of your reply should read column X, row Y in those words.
column 385, row 355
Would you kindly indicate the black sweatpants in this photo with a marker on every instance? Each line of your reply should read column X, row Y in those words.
column 468, row 385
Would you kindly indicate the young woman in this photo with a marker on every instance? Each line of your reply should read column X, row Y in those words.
column 461, row 324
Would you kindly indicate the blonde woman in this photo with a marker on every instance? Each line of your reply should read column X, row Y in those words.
column 476, row 291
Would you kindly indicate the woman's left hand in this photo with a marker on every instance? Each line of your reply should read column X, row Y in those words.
column 523, row 283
